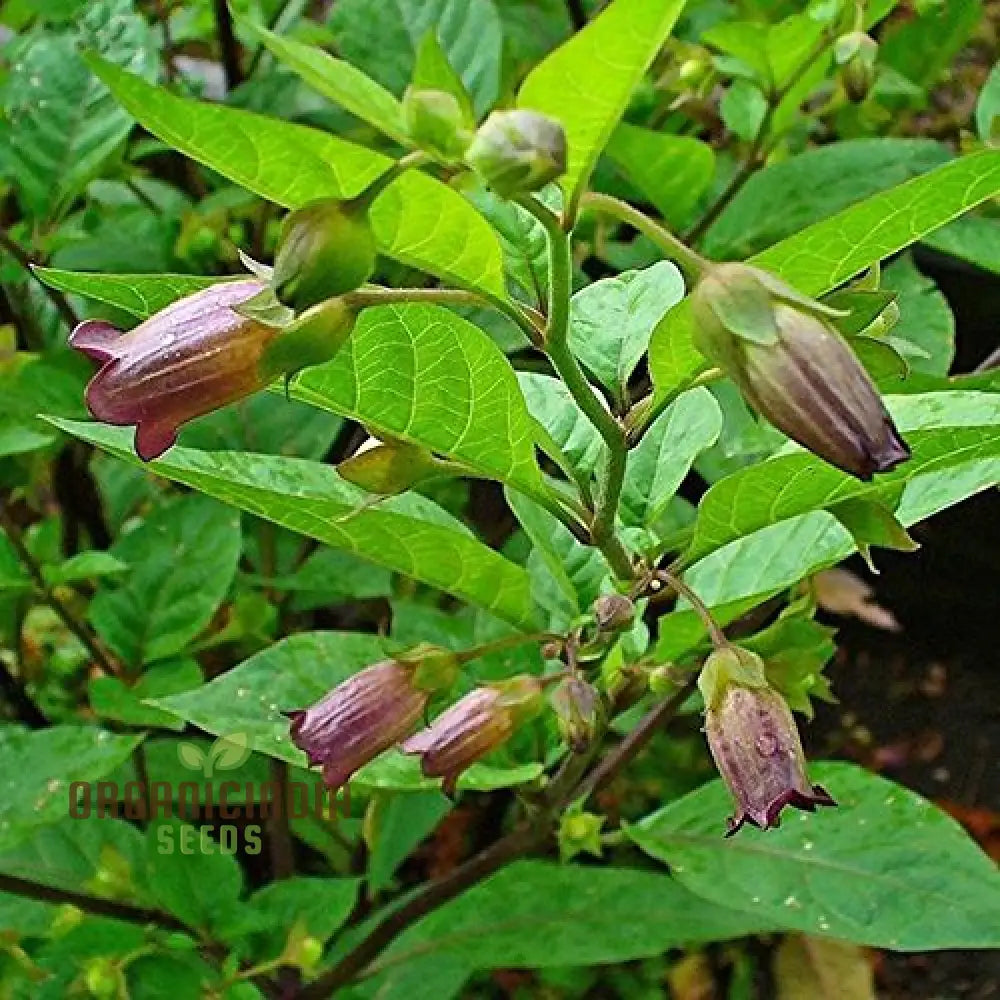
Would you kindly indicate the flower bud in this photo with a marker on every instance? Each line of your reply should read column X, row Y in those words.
column 187, row 360
column 476, row 724
column 389, row 468
column 754, row 741
column 791, row 365
column 613, row 612
column 359, row 719
column 577, row 706
column 856, row 53
column 518, row 151
column 436, row 122
column 326, row 248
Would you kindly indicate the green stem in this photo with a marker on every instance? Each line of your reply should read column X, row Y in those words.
column 410, row 161
column 701, row 609
column 691, row 263
column 568, row 368
column 372, row 295
column 499, row 645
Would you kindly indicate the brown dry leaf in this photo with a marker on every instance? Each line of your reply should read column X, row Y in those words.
column 813, row 968
column 842, row 593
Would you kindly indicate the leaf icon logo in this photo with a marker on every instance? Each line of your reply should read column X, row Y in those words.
column 225, row 754
column 191, row 756
column 229, row 752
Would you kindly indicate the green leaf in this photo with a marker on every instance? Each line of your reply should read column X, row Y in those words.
column 925, row 318
column 616, row 48
column 182, row 561
column 422, row 374
column 337, row 80
column 923, row 48
column 294, row 673
column 383, row 40
column 612, row 320
column 580, row 570
column 417, row 220
column 672, row 171
column 743, row 108
column 974, row 238
column 433, row 71
column 869, row 871
column 657, row 467
column 112, row 698
column 813, row 185
column 400, row 822
column 61, row 124
column 535, row 914
column 83, row 566
column 199, row 886
column 553, row 407
column 408, row 534
column 422, row 978
column 942, row 429
column 988, row 106
column 39, row 767
column 746, row 572
column 824, row 255
column 139, row 294
column 313, row 906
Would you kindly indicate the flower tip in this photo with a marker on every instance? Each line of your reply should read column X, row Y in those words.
column 152, row 440
column 95, row 338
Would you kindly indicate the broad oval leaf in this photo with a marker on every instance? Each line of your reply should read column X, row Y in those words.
column 408, row 534
column 870, row 871
column 824, row 255
column 672, row 171
column 423, row 374
column 943, row 429
column 417, row 220
column 616, row 48
column 657, row 467
column 537, row 914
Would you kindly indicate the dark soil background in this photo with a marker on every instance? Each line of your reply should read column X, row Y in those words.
column 922, row 705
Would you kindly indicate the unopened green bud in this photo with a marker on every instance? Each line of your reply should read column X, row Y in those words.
column 326, row 248
column 856, row 54
column 389, row 468
column 435, row 122
column 613, row 612
column 516, row 152
column 794, row 368
column 313, row 338
column 665, row 679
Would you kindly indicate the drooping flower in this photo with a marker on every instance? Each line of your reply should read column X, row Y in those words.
column 368, row 713
column 754, row 741
column 795, row 368
column 476, row 724
column 577, row 708
column 198, row 355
